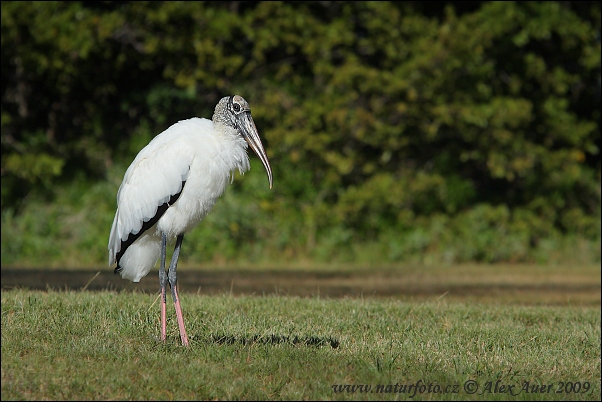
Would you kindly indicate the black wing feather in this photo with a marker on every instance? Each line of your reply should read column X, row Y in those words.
column 145, row 226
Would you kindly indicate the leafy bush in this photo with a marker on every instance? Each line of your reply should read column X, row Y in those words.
column 453, row 132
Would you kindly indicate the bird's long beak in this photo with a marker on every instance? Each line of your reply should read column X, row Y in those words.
column 252, row 136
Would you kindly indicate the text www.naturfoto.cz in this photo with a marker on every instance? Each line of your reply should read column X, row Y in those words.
column 412, row 389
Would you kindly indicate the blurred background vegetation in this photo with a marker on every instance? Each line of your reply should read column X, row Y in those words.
column 425, row 132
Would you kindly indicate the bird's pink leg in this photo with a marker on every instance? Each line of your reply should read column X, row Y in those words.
column 180, row 317
column 174, row 292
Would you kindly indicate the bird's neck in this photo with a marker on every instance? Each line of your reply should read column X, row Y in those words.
column 233, row 147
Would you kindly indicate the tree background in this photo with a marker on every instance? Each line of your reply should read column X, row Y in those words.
column 434, row 132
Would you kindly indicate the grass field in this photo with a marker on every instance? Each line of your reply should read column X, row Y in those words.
column 103, row 345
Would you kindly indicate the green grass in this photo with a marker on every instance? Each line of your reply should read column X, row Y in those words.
column 103, row 345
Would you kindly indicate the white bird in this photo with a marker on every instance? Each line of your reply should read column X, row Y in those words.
column 172, row 184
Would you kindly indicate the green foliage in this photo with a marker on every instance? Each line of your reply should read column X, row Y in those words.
column 467, row 131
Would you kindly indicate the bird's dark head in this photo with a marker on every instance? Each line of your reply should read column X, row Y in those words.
column 234, row 112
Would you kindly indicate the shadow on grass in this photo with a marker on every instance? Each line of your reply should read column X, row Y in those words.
column 274, row 339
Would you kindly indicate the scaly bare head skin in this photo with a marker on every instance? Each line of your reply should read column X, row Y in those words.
column 234, row 111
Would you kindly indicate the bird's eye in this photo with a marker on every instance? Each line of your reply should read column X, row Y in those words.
column 236, row 108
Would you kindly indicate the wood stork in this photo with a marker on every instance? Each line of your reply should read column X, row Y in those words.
column 172, row 184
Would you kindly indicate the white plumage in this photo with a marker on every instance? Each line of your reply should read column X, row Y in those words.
column 174, row 182
column 190, row 151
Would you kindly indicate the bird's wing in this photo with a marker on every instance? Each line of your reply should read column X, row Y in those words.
column 151, row 184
